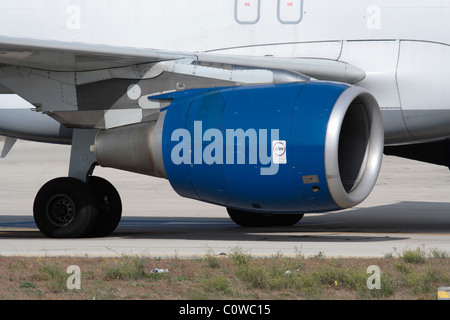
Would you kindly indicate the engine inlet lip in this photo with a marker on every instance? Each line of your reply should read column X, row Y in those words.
column 374, row 151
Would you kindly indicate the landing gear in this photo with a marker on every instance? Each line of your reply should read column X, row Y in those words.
column 70, row 208
column 80, row 205
column 253, row 219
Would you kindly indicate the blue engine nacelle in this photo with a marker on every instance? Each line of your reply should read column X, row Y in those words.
column 279, row 148
column 283, row 148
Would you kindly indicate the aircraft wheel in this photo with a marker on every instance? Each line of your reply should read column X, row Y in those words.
column 109, row 206
column 65, row 208
column 253, row 219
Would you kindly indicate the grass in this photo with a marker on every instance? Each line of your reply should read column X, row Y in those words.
column 411, row 275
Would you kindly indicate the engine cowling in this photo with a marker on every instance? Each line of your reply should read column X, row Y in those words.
column 279, row 148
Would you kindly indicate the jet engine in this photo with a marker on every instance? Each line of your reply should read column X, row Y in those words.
column 258, row 150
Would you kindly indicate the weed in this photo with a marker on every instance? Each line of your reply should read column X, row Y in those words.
column 298, row 253
column 400, row 266
column 389, row 255
column 27, row 285
column 417, row 255
column 218, row 284
column 340, row 277
column 128, row 268
column 30, row 288
column 439, row 254
column 212, row 261
column 256, row 277
column 54, row 275
column 239, row 257
column 319, row 255
column 420, row 283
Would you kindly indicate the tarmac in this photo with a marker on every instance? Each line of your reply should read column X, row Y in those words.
column 408, row 208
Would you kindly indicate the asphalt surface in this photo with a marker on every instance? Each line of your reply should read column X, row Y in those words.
column 408, row 208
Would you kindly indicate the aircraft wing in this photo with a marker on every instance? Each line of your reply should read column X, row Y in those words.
column 77, row 57
column 101, row 87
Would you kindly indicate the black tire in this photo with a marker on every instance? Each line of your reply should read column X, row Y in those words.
column 65, row 208
column 109, row 206
column 254, row 219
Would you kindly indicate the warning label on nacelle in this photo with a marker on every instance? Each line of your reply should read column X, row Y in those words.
column 279, row 151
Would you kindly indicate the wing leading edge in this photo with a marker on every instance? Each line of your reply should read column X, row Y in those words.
column 73, row 56
column 77, row 57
